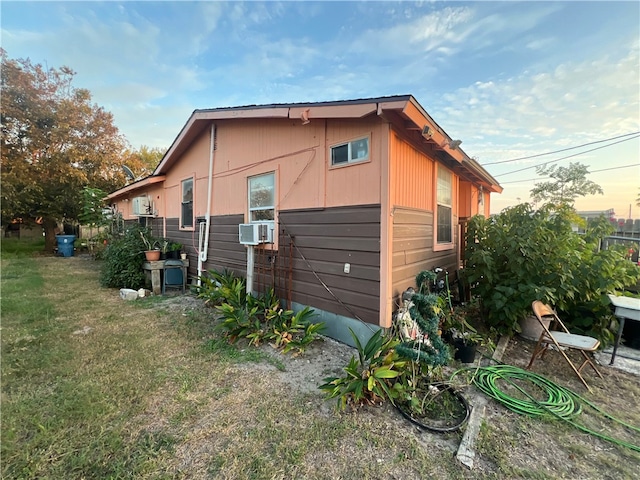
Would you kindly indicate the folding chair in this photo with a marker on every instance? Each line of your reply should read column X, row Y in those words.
column 559, row 336
column 174, row 276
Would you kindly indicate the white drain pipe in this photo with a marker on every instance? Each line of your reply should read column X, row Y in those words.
column 202, row 254
column 250, row 263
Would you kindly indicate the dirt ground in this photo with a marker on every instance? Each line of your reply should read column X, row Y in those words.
column 508, row 443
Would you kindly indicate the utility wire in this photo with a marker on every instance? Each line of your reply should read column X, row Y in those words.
column 564, row 158
column 592, row 171
column 560, row 151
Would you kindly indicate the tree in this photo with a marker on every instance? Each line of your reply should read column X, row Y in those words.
column 54, row 143
column 568, row 184
column 143, row 161
column 523, row 254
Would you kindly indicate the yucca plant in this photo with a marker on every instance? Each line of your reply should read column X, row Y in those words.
column 300, row 343
column 239, row 321
column 291, row 330
column 217, row 288
column 370, row 377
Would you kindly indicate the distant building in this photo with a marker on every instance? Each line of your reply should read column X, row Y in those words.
column 588, row 214
column 625, row 227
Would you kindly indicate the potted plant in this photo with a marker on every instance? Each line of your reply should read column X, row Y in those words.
column 461, row 334
column 163, row 244
column 465, row 341
column 174, row 250
column 152, row 252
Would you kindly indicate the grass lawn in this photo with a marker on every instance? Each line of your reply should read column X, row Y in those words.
column 95, row 387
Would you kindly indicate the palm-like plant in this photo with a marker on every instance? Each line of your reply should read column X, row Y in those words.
column 369, row 378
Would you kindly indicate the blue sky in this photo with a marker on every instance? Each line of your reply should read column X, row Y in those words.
column 510, row 79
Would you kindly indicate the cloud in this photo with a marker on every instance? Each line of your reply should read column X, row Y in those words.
column 439, row 32
column 572, row 103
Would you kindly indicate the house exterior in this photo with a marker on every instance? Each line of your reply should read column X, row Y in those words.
column 357, row 197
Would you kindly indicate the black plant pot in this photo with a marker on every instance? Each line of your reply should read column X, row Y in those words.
column 173, row 255
column 465, row 353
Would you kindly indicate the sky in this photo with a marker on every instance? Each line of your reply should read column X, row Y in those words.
column 509, row 79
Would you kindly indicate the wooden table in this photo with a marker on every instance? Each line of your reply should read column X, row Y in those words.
column 626, row 307
column 155, row 268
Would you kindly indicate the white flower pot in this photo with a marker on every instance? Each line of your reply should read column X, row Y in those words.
column 530, row 327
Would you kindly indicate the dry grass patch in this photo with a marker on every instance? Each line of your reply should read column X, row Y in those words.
column 95, row 387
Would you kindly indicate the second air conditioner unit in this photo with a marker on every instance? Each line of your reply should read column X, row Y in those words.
column 142, row 206
column 255, row 233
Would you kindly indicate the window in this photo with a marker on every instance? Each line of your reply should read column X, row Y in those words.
column 262, row 198
column 186, row 213
column 444, row 195
column 350, row 152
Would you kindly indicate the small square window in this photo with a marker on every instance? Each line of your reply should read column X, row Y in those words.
column 340, row 154
column 350, row 152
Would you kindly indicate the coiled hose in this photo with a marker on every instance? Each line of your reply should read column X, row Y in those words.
column 560, row 402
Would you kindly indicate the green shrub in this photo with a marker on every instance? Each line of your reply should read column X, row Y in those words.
column 522, row 255
column 123, row 258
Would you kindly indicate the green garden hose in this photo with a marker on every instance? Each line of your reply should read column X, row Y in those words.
column 558, row 401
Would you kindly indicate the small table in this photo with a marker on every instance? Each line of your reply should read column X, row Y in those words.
column 626, row 307
column 155, row 268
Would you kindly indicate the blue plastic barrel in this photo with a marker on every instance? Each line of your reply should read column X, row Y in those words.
column 65, row 245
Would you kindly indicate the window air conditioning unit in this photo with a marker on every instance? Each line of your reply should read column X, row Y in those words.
column 142, row 206
column 255, row 233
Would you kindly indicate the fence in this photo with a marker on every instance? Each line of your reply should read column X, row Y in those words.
column 632, row 244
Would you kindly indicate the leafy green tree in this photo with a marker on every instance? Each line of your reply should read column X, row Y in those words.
column 143, row 161
column 567, row 184
column 54, row 143
column 522, row 255
column 93, row 206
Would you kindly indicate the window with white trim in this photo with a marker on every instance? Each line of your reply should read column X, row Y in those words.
column 444, row 215
column 262, row 198
column 186, row 211
column 350, row 152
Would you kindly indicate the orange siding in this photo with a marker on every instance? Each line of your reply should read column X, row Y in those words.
column 359, row 183
column 465, row 198
column 412, row 192
column 411, row 176
column 469, row 203
column 254, row 147
column 195, row 164
column 299, row 154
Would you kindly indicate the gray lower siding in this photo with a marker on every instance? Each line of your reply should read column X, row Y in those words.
column 413, row 249
column 308, row 268
column 318, row 244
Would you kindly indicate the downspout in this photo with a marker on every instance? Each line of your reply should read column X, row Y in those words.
column 202, row 254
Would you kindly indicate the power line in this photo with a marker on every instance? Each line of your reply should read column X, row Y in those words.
column 560, row 151
column 593, row 171
column 564, row 158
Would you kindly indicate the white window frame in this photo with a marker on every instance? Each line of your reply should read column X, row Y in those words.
column 183, row 224
column 261, row 208
column 442, row 201
column 352, row 152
